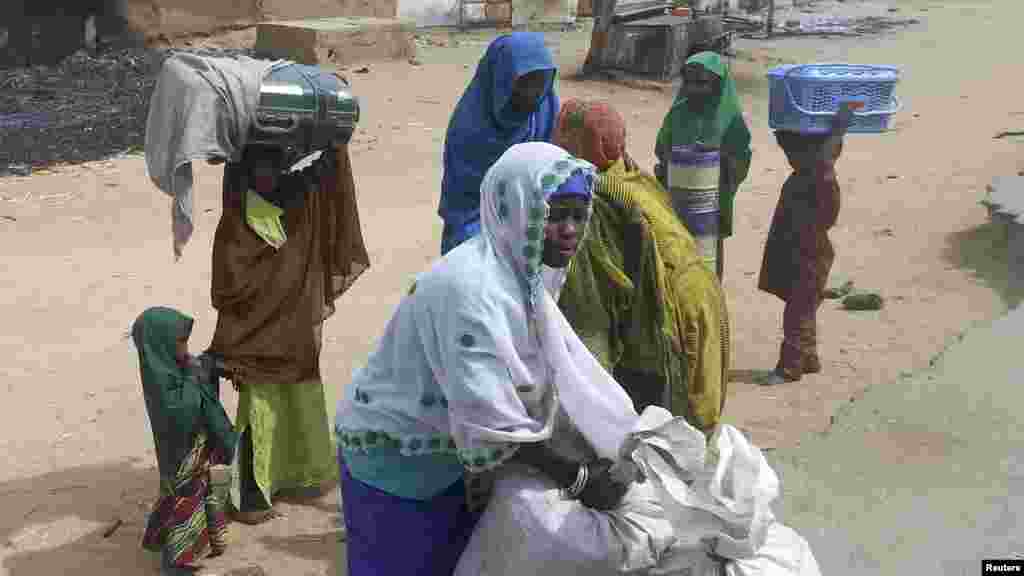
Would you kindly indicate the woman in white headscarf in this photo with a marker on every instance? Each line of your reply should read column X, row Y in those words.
column 478, row 374
column 461, row 380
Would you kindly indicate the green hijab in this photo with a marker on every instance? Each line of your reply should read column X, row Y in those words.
column 178, row 400
column 714, row 125
column 720, row 125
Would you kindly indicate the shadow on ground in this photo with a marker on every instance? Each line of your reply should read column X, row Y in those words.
column 983, row 251
column 57, row 523
column 318, row 546
column 314, row 547
column 45, row 516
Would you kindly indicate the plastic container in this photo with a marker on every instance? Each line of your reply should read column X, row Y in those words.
column 693, row 178
column 805, row 98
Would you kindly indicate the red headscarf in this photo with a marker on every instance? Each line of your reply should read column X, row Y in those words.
column 593, row 131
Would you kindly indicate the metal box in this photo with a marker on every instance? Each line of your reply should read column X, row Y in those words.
column 653, row 47
column 657, row 46
column 303, row 109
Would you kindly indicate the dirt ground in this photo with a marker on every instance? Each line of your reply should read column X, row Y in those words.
column 87, row 248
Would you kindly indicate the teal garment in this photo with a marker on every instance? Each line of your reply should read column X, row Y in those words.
column 719, row 126
column 417, row 477
column 179, row 401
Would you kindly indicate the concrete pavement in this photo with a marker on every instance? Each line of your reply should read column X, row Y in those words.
column 921, row 476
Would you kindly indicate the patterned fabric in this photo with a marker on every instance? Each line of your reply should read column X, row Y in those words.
column 413, row 445
column 639, row 297
column 387, row 469
column 478, row 459
column 188, row 522
column 523, row 180
column 180, row 400
column 506, row 224
column 720, row 126
column 459, row 368
column 637, row 294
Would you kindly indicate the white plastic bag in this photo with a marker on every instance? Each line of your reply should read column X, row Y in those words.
column 718, row 500
column 530, row 528
column 722, row 499
column 690, row 504
column 784, row 553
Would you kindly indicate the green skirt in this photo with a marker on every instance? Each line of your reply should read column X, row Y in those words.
column 292, row 447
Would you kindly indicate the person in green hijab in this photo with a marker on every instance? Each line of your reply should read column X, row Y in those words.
column 707, row 114
column 191, row 432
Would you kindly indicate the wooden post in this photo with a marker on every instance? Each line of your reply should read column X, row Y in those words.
column 604, row 12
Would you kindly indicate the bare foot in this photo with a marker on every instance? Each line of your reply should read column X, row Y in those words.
column 253, row 517
column 306, row 494
column 811, row 364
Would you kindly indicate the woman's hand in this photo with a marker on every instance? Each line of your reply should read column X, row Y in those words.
column 840, row 125
column 604, row 491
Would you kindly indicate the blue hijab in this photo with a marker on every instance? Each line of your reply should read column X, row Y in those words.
column 482, row 128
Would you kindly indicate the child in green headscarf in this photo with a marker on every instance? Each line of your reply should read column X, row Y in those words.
column 191, row 431
column 707, row 113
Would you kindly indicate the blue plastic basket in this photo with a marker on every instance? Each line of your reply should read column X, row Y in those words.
column 806, row 97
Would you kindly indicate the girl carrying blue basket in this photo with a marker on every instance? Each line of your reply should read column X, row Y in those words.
column 798, row 255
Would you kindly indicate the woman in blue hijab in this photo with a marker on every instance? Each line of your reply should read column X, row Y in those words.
column 511, row 100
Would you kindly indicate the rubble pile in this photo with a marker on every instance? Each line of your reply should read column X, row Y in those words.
column 88, row 107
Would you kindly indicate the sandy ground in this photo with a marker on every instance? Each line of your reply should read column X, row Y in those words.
column 87, row 248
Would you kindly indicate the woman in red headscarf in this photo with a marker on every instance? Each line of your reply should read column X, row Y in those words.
column 637, row 292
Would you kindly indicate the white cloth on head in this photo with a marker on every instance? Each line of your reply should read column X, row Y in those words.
column 478, row 332
column 513, row 210
column 201, row 109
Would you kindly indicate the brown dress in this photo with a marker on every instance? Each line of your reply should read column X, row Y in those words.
column 272, row 303
column 798, row 257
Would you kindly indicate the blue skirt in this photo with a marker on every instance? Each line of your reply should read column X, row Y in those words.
column 391, row 535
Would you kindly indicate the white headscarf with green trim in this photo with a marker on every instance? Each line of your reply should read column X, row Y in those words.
column 514, row 208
